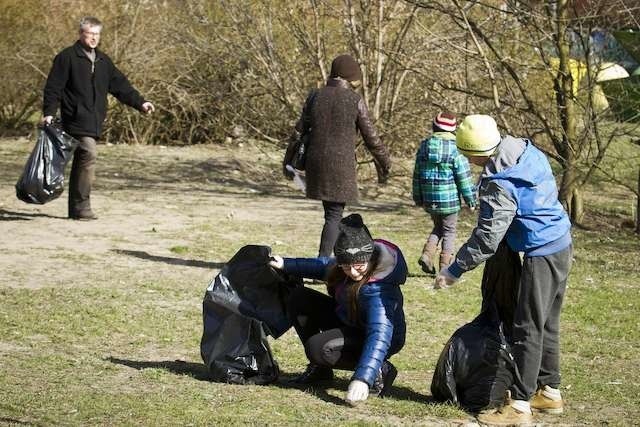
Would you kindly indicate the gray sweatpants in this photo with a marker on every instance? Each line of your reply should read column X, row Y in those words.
column 444, row 230
column 536, row 328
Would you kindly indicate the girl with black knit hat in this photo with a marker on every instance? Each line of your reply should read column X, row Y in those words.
column 360, row 324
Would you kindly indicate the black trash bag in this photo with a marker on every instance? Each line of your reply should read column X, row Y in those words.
column 235, row 348
column 43, row 177
column 476, row 366
column 243, row 304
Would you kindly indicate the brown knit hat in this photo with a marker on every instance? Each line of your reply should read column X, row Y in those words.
column 346, row 67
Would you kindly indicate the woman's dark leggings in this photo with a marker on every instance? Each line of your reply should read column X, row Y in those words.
column 327, row 340
column 332, row 216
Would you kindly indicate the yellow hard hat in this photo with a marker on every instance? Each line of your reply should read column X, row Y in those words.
column 477, row 135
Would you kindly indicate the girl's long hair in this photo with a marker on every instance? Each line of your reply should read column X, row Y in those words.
column 337, row 276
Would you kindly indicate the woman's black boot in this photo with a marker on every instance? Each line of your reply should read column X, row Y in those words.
column 384, row 379
column 313, row 374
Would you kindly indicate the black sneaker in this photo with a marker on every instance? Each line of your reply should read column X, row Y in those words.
column 384, row 379
column 85, row 216
column 313, row 374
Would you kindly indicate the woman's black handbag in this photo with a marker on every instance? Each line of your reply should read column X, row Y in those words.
column 296, row 154
column 299, row 155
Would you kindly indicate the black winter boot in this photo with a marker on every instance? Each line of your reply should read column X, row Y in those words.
column 313, row 374
column 384, row 379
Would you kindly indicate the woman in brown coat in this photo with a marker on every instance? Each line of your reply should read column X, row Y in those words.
column 332, row 116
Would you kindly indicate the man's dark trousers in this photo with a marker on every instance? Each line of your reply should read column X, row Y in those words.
column 82, row 177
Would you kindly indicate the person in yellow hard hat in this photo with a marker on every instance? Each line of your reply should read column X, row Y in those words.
column 518, row 201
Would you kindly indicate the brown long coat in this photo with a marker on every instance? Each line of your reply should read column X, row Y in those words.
column 333, row 115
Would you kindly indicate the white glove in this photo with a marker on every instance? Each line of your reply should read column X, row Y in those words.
column 277, row 262
column 444, row 279
column 358, row 392
column 148, row 107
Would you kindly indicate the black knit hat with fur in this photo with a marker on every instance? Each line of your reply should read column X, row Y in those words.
column 346, row 67
column 354, row 243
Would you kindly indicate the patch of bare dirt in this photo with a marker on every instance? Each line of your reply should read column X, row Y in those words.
column 147, row 198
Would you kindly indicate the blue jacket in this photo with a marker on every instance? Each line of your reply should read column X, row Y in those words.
column 380, row 305
column 541, row 225
column 519, row 202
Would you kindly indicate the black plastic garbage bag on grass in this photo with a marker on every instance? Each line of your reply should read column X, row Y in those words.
column 476, row 366
column 243, row 304
column 43, row 177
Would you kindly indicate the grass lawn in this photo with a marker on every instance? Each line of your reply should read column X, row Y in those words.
column 100, row 321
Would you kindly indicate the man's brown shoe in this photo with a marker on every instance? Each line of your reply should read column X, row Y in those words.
column 507, row 415
column 541, row 403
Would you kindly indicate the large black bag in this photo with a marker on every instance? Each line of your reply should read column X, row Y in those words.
column 43, row 177
column 243, row 304
column 476, row 366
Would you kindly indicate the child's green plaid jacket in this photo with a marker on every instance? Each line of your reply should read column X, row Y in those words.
column 440, row 173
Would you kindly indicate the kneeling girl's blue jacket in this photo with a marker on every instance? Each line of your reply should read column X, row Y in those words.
column 380, row 304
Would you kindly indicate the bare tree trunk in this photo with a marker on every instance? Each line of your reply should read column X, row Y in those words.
column 577, row 206
column 492, row 77
column 638, row 206
column 380, row 58
column 570, row 196
column 320, row 53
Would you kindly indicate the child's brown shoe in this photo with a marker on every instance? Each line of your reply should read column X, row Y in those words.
column 506, row 415
column 541, row 403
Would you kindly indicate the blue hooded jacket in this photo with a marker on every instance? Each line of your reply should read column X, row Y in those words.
column 541, row 225
column 380, row 305
column 519, row 202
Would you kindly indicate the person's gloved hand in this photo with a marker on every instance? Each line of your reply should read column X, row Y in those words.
column 148, row 107
column 286, row 172
column 444, row 279
column 358, row 392
column 276, row 262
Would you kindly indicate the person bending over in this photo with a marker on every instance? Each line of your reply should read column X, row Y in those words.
column 519, row 201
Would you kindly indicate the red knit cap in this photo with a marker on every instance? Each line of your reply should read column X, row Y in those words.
column 446, row 122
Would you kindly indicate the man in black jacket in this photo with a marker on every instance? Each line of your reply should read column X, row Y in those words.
column 80, row 79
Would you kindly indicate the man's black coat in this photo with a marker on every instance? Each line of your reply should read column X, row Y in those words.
column 80, row 90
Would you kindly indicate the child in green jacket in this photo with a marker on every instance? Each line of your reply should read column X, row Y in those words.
column 440, row 175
